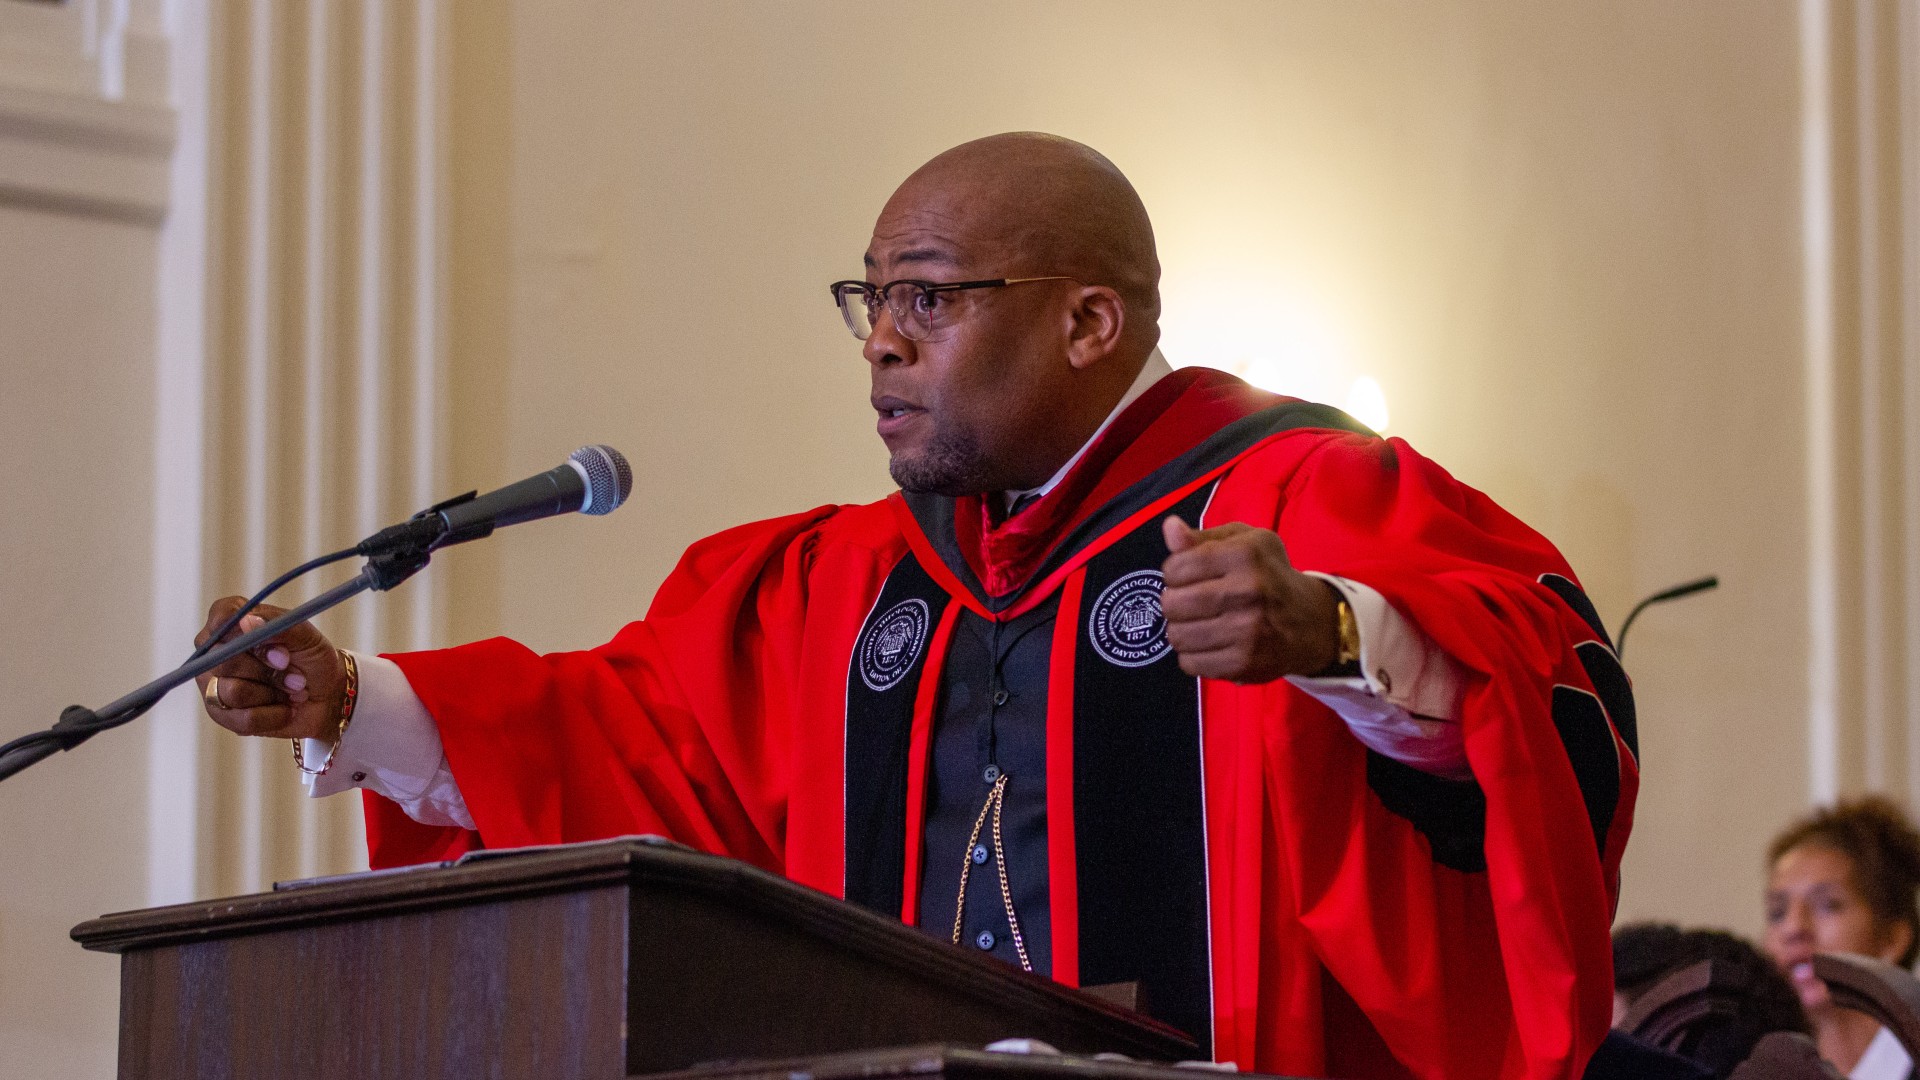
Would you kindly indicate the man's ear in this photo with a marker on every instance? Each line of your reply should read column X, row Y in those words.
column 1099, row 318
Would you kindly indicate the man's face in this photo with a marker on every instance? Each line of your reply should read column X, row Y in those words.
column 960, row 411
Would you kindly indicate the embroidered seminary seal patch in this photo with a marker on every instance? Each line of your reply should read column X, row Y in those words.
column 1126, row 626
column 892, row 644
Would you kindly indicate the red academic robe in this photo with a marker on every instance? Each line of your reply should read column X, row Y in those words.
column 1362, row 919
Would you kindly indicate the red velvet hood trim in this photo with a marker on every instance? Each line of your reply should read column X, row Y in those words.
column 1173, row 416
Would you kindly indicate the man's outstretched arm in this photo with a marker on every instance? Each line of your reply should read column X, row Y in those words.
column 1402, row 703
column 392, row 749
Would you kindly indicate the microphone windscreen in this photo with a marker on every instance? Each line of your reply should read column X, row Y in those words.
column 609, row 478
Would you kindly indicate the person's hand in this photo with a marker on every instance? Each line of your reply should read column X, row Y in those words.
column 291, row 686
column 1237, row 609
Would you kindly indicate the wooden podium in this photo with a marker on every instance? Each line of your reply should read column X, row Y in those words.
column 601, row 960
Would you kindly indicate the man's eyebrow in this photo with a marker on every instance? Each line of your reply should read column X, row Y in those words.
column 940, row 256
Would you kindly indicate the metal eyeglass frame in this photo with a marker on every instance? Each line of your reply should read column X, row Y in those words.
column 843, row 290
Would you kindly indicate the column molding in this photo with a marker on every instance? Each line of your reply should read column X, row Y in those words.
column 177, row 735
column 319, row 320
column 1860, row 134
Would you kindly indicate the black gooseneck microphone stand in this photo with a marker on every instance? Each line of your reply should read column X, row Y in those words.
column 393, row 556
column 1661, row 597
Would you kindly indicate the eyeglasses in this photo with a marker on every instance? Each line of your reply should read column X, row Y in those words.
column 917, row 307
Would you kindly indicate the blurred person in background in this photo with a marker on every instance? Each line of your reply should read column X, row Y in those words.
column 1644, row 954
column 1846, row 878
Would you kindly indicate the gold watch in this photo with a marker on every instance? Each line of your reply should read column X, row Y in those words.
column 1349, row 634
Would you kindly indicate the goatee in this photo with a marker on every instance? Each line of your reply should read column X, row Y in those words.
column 952, row 464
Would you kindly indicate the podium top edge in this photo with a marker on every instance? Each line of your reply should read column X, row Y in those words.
column 493, row 875
column 641, row 863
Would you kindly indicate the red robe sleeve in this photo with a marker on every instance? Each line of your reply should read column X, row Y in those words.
column 1500, row 970
column 678, row 726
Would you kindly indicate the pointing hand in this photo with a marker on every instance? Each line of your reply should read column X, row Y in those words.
column 290, row 686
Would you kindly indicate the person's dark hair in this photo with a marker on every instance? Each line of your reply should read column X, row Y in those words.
column 1645, row 953
column 1883, row 849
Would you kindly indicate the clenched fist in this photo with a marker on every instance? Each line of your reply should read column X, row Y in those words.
column 1237, row 609
column 291, row 686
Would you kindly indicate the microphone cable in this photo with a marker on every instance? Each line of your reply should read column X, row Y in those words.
column 600, row 474
column 75, row 734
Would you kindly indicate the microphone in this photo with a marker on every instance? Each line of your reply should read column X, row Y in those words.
column 1711, row 581
column 593, row 480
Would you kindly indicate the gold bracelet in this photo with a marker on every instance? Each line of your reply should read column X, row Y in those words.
column 346, row 717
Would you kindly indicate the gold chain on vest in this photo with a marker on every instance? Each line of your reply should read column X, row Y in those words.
column 995, row 800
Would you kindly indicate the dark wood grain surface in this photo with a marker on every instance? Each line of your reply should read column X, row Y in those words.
column 435, row 994
column 589, row 961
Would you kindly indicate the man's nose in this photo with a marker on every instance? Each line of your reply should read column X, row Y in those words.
column 886, row 345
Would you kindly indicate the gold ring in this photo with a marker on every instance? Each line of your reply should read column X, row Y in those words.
column 211, row 695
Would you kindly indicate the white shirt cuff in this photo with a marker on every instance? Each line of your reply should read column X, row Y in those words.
column 1405, row 703
column 392, row 748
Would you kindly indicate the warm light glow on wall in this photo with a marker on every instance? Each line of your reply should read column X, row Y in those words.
column 1367, row 403
column 1271, row 335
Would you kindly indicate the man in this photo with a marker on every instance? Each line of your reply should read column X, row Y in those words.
column 1752, row 998
column 1360, row 821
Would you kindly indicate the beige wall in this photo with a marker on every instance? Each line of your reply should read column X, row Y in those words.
column 1566, row 241
column 1583, row 247
column 84, row 139
column 76, row 432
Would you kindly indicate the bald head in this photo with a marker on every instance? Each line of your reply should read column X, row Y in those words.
column 1050, row 206
column 993, row 389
